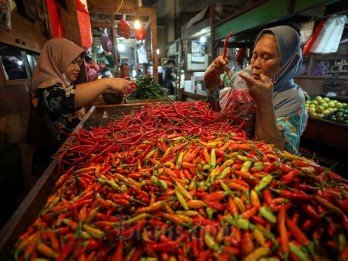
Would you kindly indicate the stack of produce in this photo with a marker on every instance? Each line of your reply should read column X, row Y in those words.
column 176, row 182
column 147, row 88
column 319, row 107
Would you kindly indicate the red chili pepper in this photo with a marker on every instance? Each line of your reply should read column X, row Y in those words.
column 250, row 212
column 29, row 232
column 167, row 247
column 311, row 211
column 297, row 233
column 344, row 253
column 102, row 253
column 216, row 196
column 225, row 45
column 65, row 252
column 284, row 238
column 130, row 232
column 328, row 205
column 306, row 225
column 54, row 240
column 271, row 167
column 245, row 175
column 259, row 220
column 216, row 205
column 344, row 204
column 204, row 222
column 247, row 244
column 296, row 195
column 267, row 196
column 232, row 206
column 148, row 250
column 137, row 253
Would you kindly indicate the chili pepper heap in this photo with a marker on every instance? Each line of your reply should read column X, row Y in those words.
column 176, row 180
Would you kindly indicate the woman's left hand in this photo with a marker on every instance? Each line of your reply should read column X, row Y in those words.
column 261, row 90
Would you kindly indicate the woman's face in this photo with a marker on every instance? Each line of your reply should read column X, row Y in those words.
column 73, row 70
column 265, row 57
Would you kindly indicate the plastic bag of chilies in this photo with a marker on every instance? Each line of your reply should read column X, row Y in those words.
column 237, row 105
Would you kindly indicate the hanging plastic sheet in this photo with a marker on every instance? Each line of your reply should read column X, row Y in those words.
column 306, row 30
column 330, row 35
column 313, row 38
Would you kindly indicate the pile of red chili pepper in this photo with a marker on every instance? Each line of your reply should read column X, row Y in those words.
column 176, row 182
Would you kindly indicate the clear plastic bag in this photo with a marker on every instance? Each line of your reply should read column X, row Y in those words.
column 237, row 104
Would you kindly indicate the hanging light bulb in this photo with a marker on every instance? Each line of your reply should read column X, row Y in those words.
column 137, row 24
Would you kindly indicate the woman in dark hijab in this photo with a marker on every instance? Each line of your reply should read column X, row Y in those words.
column 54, row 87
column 280, row 104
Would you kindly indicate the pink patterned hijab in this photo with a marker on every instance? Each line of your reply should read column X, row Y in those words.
column 57, row 54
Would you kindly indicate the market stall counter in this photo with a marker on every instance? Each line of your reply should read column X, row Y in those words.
column 175, row 180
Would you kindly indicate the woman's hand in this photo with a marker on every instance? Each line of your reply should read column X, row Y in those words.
column 261, row 90
column 212, row 73
column 120, row 85
column 219, row 65
column 265, row 125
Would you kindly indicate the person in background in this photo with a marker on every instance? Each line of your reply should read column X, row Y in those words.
column 54, row 84
column 281, row 116
column 169, row 76
column 91, row 68
column 124, row 73
column 124, row 70
column 104, row 71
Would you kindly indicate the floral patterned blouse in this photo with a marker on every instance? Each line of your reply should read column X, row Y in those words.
column 59, row 101
column 290, row 125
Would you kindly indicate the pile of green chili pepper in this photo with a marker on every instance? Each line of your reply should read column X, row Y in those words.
column 147, row 88
column 176, row 182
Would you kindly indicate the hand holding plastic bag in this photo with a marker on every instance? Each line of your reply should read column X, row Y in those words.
column 237, row 104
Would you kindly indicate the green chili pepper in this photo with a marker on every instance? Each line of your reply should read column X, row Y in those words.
column 135, row 219
column 268, row 235
column 342, row 242
column 269, row 259
column 181, row 199
column 267, row 214
column 155, row 181
column 243, row 158
column 238, row 222
column 210, row 242
column 225, row 187
column 206, row 167
column 163, row 184
column 224, row 173
column 298, row 252
column 258, row 166
column 210, row 212
column 246, row 166
column 150, row 153
column 212, row 158
column 114, row 185
column 264, row 182
column 180, row 157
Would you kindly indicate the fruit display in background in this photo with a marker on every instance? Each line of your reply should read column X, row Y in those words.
column 340, row 116
column 319, row 107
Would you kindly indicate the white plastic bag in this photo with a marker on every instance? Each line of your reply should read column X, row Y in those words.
column 330, row 35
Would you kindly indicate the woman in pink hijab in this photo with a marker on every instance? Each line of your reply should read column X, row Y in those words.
column 54, row 85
